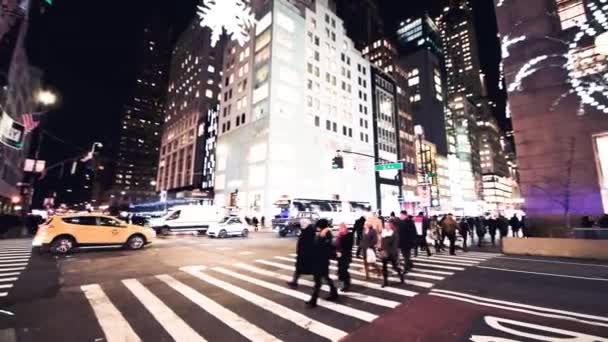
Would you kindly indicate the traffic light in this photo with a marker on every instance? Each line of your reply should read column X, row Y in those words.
column 338, row 163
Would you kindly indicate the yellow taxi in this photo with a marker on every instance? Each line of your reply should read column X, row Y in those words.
column 63, row 234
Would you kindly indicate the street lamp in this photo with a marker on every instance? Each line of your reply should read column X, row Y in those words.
column 46, row 97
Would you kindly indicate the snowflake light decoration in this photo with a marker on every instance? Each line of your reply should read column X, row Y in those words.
column 589, row 83
column 235, row 16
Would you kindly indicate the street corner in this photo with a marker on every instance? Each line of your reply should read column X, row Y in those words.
column 429, row 317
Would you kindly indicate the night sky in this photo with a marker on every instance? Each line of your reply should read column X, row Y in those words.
column 88, row 52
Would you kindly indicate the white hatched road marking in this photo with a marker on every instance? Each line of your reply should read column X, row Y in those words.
column 15, row 253
column 529, row 309
column 4, row 280
column 419, row 269
column 394, row 279
column 7, row 274
column 12, row 265
column 443, row 262
column 354, row 281
column 325, row 287
column 297, row 318
column 236, row 322
column 5, row 269
column 114, row 325
column 13, row 260
column 7, row 286
column 170, row 321
column 359, row 263
column 3, row 294
column 339, row 308
column 455, row 258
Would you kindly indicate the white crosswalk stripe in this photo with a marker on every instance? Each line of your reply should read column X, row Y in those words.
column 259, row 285
column 14, row 258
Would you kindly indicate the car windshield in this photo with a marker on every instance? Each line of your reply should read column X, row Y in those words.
column 225, row 219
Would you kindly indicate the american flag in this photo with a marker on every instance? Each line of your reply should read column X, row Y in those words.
column 30, row 121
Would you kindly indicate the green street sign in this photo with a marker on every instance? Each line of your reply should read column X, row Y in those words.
column 387, row 167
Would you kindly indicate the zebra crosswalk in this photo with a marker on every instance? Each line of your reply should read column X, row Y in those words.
column 14, row 258
column 252, row 301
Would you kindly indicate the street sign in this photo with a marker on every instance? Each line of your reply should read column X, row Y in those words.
column 391, row 166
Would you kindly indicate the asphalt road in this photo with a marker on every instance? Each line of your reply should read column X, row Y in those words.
column 189, row 288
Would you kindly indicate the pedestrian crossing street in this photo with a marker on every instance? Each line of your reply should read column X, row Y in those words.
column 14, row 257
column 250, row 301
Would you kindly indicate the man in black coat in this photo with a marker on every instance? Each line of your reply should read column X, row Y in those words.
column 407, row 238
column 492, row 227
column 324, row 251
column 344, row 251
column 305, row 261
column 359, row 224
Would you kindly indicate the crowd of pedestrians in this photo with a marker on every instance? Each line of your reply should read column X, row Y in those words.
column 391, row 240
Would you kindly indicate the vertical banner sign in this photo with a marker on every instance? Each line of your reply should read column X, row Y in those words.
column 12, row 133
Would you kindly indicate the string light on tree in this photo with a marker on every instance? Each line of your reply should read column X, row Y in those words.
column 234, row 16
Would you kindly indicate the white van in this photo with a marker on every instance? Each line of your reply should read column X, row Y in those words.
column 187, row 218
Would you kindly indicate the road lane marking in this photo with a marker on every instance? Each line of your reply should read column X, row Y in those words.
column 9, row 254
column 283, row 312
column 339, row 308
column 5, row 261
column 553, row 261
column 355, row 295
column 444, row 262
column 224, row 248
column 359, row 263
column 4, row 269
column 4, row 280
column 529, row 309
column 7, row 286
column 234, row 321
column 354, row 281
column 394, row 279
column 246, row 253
column 8, row 274
column 12, row 265
column 418, row 264
column 114, row 325
column 447, row 258
column 541, row 273
column 3, row 294
column 170, row 321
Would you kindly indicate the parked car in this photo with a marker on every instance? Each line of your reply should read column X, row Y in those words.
column 229, row 226
column 285, row 226
column 63, row 234
column 187, row 218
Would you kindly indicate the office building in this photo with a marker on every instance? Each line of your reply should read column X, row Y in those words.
column 187, row 152
column 295, row 94
column 134, row 172
column 384, row 55
column 386, row 136
column 419, row 44
column 365, row 25
column 561, row 147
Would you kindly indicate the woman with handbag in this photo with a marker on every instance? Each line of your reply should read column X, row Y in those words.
column 369, row 240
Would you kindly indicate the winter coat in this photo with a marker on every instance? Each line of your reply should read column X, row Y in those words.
column 435, row 230
column 324, row 251
column 449, row 226
column 305, row 250
column 390, row 244
column 407, row 233
column 344, row 245
column 358, row 227
column 369, row 240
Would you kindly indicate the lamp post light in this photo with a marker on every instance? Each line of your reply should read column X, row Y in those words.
column 46, row 97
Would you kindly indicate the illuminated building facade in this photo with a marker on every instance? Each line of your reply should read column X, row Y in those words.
column 136, row 161
column 384, row 55
column 188, row 141
column 296, row 93
column 561, row 150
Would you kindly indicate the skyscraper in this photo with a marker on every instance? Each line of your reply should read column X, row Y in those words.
column 188, row 141
column 421, row 55
column 134, row 174
column 384, row 55
column 293, row 96
column 368, row 26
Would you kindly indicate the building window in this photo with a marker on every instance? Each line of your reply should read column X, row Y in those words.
column 223, row 127
column 350, row 132
column 335, row 127
column 317, row 121
column 243, row 119
column 228, row 126
column 328, row 125
column 344, row 130
column 238, row 121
